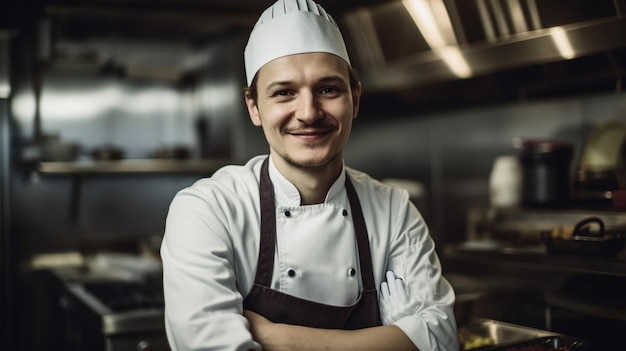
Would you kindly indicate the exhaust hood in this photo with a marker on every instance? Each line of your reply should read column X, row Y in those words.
column 427, row 53
column 422, row 52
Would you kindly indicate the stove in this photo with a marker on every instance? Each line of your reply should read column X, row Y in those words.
column 115, row 315
column 123, row 296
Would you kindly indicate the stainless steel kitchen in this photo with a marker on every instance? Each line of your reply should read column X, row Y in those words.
column 505, row 120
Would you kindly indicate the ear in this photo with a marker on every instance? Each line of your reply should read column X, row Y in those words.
column 356, row 100
column 253, row 111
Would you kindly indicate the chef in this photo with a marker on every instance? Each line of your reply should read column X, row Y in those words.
column 294, row 250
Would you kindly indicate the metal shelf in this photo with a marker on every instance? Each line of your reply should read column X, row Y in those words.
column 133, row 166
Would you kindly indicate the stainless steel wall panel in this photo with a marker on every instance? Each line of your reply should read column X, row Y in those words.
column 6, row 256
column 452, row 152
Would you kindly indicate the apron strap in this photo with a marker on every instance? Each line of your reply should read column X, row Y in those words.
column 267, row 246
column 360, row 229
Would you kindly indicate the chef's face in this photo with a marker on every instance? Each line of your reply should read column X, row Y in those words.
column 305, row 105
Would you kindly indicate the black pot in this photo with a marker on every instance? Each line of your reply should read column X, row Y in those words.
column 107, row 153
column 546, row 173
column 59, row 151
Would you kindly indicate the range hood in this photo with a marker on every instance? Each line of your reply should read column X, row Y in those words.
column 440, row 52
column 427, row 53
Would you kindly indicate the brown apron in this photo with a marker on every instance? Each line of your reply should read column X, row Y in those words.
column 283, row 308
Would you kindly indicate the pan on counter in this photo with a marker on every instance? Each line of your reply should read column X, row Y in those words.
column 588, row 237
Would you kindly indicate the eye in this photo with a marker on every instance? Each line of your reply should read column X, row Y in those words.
column 329, row 90
column 283, row 93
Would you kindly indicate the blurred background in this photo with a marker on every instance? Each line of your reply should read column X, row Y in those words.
column 504, row 118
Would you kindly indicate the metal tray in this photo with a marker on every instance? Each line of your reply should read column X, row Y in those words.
column 584, row 245
column 549, row 342
column 500, row 333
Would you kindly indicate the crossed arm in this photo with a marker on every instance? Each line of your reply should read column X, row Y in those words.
column 285, row 337
column 278, row 337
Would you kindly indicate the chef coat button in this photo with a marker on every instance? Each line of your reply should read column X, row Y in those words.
column 291, row 272
column 344, row 212
column 351, row 272
column 287, row 213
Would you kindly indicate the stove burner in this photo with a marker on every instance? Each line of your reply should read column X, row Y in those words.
column 124, row 296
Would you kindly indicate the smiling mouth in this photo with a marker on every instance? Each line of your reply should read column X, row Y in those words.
column 310, row 133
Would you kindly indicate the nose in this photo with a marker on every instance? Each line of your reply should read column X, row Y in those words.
column 308, row 109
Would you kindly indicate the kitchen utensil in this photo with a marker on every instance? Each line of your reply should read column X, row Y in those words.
column 107, row 153
column 583, row 240
column 54, row 149
column 177, row 152
column 546, row 172
column 505, row 182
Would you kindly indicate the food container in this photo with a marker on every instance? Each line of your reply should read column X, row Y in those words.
column 545, row 172
column 54, row 149
column 484, row 334
column 107, row 153
column 178, row 152
column 505, row 182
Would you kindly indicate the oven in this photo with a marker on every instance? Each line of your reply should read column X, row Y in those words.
column 114, row 316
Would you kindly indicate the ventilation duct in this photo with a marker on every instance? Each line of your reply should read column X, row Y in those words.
column 428, row 51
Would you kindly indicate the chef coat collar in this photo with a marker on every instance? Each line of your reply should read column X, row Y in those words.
column 288, row 195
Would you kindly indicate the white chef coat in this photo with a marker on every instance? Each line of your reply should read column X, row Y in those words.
column 211, row 243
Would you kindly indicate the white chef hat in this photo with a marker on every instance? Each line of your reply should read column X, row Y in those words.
column 292, row 27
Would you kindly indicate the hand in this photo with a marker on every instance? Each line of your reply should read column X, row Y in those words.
column 263, row 330
column 393, row 299
column 257, row 322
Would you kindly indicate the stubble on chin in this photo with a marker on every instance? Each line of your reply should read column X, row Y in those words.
column 310, row 164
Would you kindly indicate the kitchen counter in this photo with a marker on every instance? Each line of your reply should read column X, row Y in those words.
column 533, row 258
column 138, row 327
column 573, row 294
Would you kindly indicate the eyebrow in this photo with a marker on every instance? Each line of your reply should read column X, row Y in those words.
column 327, row 79
column 333, row 78
column 277, row 84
